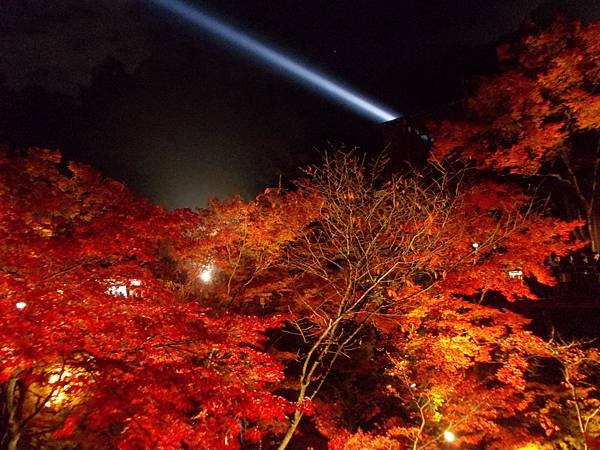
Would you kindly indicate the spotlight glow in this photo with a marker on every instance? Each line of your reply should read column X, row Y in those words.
column 276, row 59
column 206, row 273
column 449, row 436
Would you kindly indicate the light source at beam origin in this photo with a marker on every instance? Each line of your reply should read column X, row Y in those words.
column 276, row 59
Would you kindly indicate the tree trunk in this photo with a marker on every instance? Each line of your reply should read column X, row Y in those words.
column 14, row 440
column 290, row 431
column 594, row 204
column 594, row 225
column 14, row 402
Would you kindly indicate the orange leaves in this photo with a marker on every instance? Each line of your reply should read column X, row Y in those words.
column 364, row 441
column 547, row 424
column 87, row 259
column 512, row 373
column 584, row 107
column 448, row 370
column 493, row 216
column 452, row 138
column 488, row 196
column 99, row 277
column 457, row 352
column 472, row 369
column 246, row 240
column 518, row 119
column 40, row 160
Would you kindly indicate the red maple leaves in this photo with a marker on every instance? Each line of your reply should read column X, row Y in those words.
column 111, row 338
column 83, row 300
column 356, row 311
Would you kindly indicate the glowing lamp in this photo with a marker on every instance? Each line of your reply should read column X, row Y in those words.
column 206, row 274
column 118, row 290
column 516, row 274
column 449, row 436
column 20, row 305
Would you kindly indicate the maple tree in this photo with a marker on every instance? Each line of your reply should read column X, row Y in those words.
column 367, row 235
column 539, row 117
column 244, row 244
column 435, row 357
column 444, row 376
column 97, row 348
column 354, row 311
column 382, row 251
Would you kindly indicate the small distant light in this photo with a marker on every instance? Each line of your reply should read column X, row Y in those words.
column 475, row 245
column 516, row 273
column 449, row 436
column 206, row 275
column 20, row 305
column 119, row 290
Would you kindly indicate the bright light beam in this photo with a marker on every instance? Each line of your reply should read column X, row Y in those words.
column 310, row 77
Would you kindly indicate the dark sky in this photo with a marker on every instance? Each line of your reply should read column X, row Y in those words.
column 182, row 117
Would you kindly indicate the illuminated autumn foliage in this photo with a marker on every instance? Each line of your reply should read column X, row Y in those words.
column 540, row 117
column 356, row 310
column 82, row 293
column 353, row 312
column 400, row 341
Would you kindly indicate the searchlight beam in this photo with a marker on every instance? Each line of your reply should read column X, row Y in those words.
column 277, row 59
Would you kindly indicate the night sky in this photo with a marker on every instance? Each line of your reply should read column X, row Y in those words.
column 181, row 117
